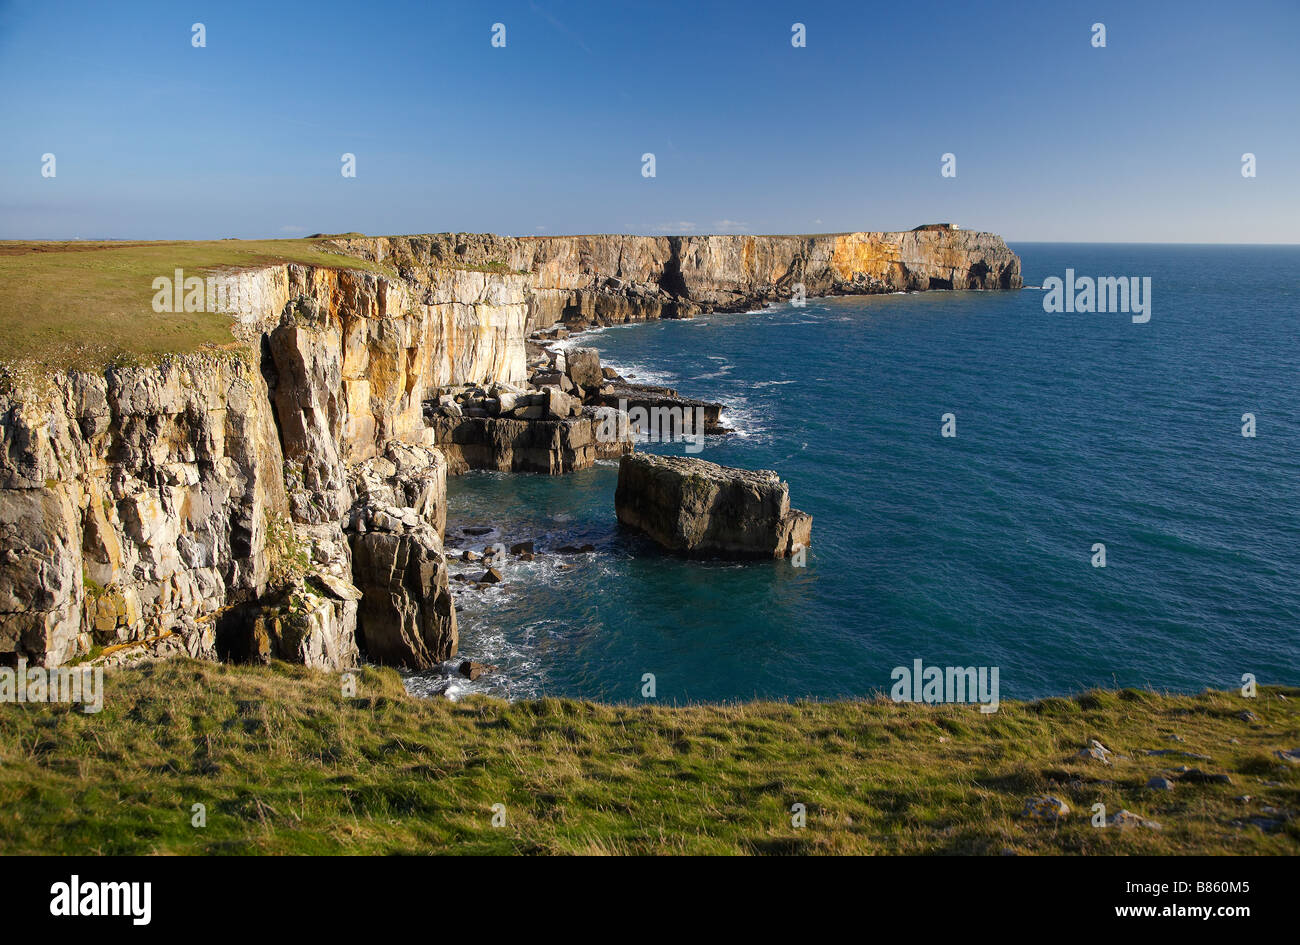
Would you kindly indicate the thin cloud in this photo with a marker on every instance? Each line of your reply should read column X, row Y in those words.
column 546, row 14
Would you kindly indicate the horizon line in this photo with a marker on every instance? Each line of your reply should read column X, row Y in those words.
column 227, row 239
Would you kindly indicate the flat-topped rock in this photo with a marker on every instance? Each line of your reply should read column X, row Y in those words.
column 694, row 507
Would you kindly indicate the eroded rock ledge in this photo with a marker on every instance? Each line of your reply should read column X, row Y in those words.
column 286, row 498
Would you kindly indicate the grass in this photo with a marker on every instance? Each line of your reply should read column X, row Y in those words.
column 285, row 764
column 86, row 304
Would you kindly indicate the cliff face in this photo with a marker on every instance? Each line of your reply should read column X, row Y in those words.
column 134, row 503
column 286, row 498
column 612, row 279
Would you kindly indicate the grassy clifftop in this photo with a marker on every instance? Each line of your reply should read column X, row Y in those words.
column 285, row 764
column 82, row 304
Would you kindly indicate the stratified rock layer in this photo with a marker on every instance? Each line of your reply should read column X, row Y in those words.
column 693, row 507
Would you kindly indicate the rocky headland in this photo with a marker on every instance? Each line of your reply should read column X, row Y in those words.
column 284, row 496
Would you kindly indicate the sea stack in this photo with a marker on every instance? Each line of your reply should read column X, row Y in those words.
column 700, row 509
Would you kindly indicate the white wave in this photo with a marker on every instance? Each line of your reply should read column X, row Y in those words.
column 742, row 419
column 643, row 374
column 721, row 372
column 580, row 339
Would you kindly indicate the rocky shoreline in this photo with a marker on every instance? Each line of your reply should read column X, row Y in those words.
column 286, row 498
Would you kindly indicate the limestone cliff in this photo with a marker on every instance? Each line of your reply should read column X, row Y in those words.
column 613, row 279
column 286, row 497
column 134, row 503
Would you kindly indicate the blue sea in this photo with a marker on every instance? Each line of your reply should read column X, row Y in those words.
column 973, row 550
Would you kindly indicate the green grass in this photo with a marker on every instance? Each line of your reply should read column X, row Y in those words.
column 86, row 304
column 285, row 764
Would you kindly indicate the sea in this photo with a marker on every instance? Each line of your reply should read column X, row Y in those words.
column 1098, row 515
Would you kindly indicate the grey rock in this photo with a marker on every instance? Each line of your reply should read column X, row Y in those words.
column 1124, row 819
column 697, row 508
column 583, row 367
column 472, row 670
column 1045, row 807
column 406, row 617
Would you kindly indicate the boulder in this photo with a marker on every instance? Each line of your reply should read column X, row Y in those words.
column 1126, row 818
column 1046, row 807
column 472, row 670
column 694, row 507
column 548, row 379
column 583, row 367
column 560, row 406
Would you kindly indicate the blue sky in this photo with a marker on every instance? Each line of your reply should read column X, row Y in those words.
column 1054, row 139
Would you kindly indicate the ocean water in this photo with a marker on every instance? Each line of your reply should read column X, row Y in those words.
column 975, row 550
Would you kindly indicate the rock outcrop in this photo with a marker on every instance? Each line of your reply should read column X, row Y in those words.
column 661, row 412
column 693, row 507
column 551, row 447
column 395, row 530
column 407, row 617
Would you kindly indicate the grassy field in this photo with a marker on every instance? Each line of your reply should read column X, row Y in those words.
column 285, row 764
column 86, row 304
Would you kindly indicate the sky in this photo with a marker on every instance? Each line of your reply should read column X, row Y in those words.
column 1053, row 138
